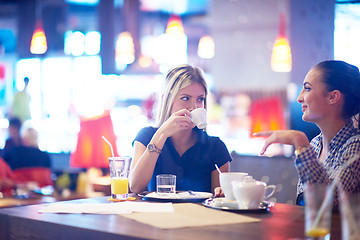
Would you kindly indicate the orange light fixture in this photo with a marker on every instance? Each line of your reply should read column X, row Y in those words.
column 38, row 41
column 174, row 26
column 281, row 60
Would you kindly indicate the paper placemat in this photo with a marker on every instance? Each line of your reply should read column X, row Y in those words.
column 189, row 215
column 108, row 208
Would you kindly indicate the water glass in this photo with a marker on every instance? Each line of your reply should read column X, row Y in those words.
column 166, row 184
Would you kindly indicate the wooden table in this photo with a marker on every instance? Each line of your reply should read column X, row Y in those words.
column 6, row 202
column 284, row 221
column 16, row 202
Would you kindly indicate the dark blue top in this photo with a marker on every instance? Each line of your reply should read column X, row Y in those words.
column 22, row 157
column 193, row 169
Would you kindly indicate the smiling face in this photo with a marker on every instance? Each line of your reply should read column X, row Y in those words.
column 314, row 98
column 189, row 97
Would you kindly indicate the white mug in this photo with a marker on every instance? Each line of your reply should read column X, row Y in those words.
column 225, row 182
column 249, row 194
column 199, row 118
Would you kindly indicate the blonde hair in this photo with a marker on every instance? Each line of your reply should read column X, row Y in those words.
column 176, row 79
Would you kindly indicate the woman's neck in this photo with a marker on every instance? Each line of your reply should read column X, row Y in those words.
column 329, row 130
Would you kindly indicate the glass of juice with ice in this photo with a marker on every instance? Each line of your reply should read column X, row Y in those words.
column 318, row 210
column 119, row 171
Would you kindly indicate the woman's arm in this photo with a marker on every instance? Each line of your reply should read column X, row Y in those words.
column 144, row 161
column 312, row 171
column 290, row 137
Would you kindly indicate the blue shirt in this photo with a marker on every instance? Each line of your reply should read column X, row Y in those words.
column 193, row 169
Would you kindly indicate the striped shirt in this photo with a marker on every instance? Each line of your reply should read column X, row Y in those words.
column 343, row 146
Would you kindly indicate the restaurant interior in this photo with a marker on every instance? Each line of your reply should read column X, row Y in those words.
column 102, row 64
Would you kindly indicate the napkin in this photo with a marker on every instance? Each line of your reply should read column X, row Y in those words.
column 189, row 215
column 108, row 208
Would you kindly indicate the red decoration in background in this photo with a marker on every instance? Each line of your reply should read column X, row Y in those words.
column 91, row 149
column 267, row 114
column 2, row 73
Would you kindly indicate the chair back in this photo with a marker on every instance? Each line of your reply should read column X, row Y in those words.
column 40, row 175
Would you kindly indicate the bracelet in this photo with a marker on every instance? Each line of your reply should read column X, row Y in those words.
column 301, row 149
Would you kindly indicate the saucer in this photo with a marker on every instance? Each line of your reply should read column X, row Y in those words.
column 232, row 206
column 178, row 197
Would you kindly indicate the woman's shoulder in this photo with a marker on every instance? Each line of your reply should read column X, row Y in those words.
column 147, row 130
column 350, row 133
column 355, row 138
column 145, row 134
column 352, row 144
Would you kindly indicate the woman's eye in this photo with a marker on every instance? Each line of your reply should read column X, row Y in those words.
column 307, row 89
column 185, row 98
column 201, row 99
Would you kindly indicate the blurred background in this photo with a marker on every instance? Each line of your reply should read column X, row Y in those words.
column 96, row 68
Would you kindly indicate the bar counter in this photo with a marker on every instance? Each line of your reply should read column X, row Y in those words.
column 283, row 221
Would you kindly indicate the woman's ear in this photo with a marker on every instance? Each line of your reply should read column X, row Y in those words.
column 334, row 96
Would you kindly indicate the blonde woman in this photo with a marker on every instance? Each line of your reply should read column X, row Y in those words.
column 176, row 146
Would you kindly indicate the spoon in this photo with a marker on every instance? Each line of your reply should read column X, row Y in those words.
column 191, row 192
column 218, row 169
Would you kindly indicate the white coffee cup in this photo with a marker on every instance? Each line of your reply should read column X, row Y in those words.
column 249, row 194
column 226, row 179
column 199, row 118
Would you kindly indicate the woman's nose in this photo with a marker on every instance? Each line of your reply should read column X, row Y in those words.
column 193, row 105
column 300, row 98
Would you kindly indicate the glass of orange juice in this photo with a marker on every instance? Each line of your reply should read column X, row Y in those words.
column 318, row 210
column 119, row 171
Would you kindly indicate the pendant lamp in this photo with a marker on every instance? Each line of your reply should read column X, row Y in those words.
column 206, row 47
column 174, row 26
column 125, row 50
column 38, row 41
column 172, row 46
column 281, row 60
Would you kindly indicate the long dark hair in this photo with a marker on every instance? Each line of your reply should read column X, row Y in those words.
column 339, row 75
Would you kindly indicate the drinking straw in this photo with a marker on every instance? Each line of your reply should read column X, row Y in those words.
column 329, row 193
column 218, row 169
column 111, row 148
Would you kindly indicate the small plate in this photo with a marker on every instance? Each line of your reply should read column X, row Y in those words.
column 179, row 197
column 229, row 205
